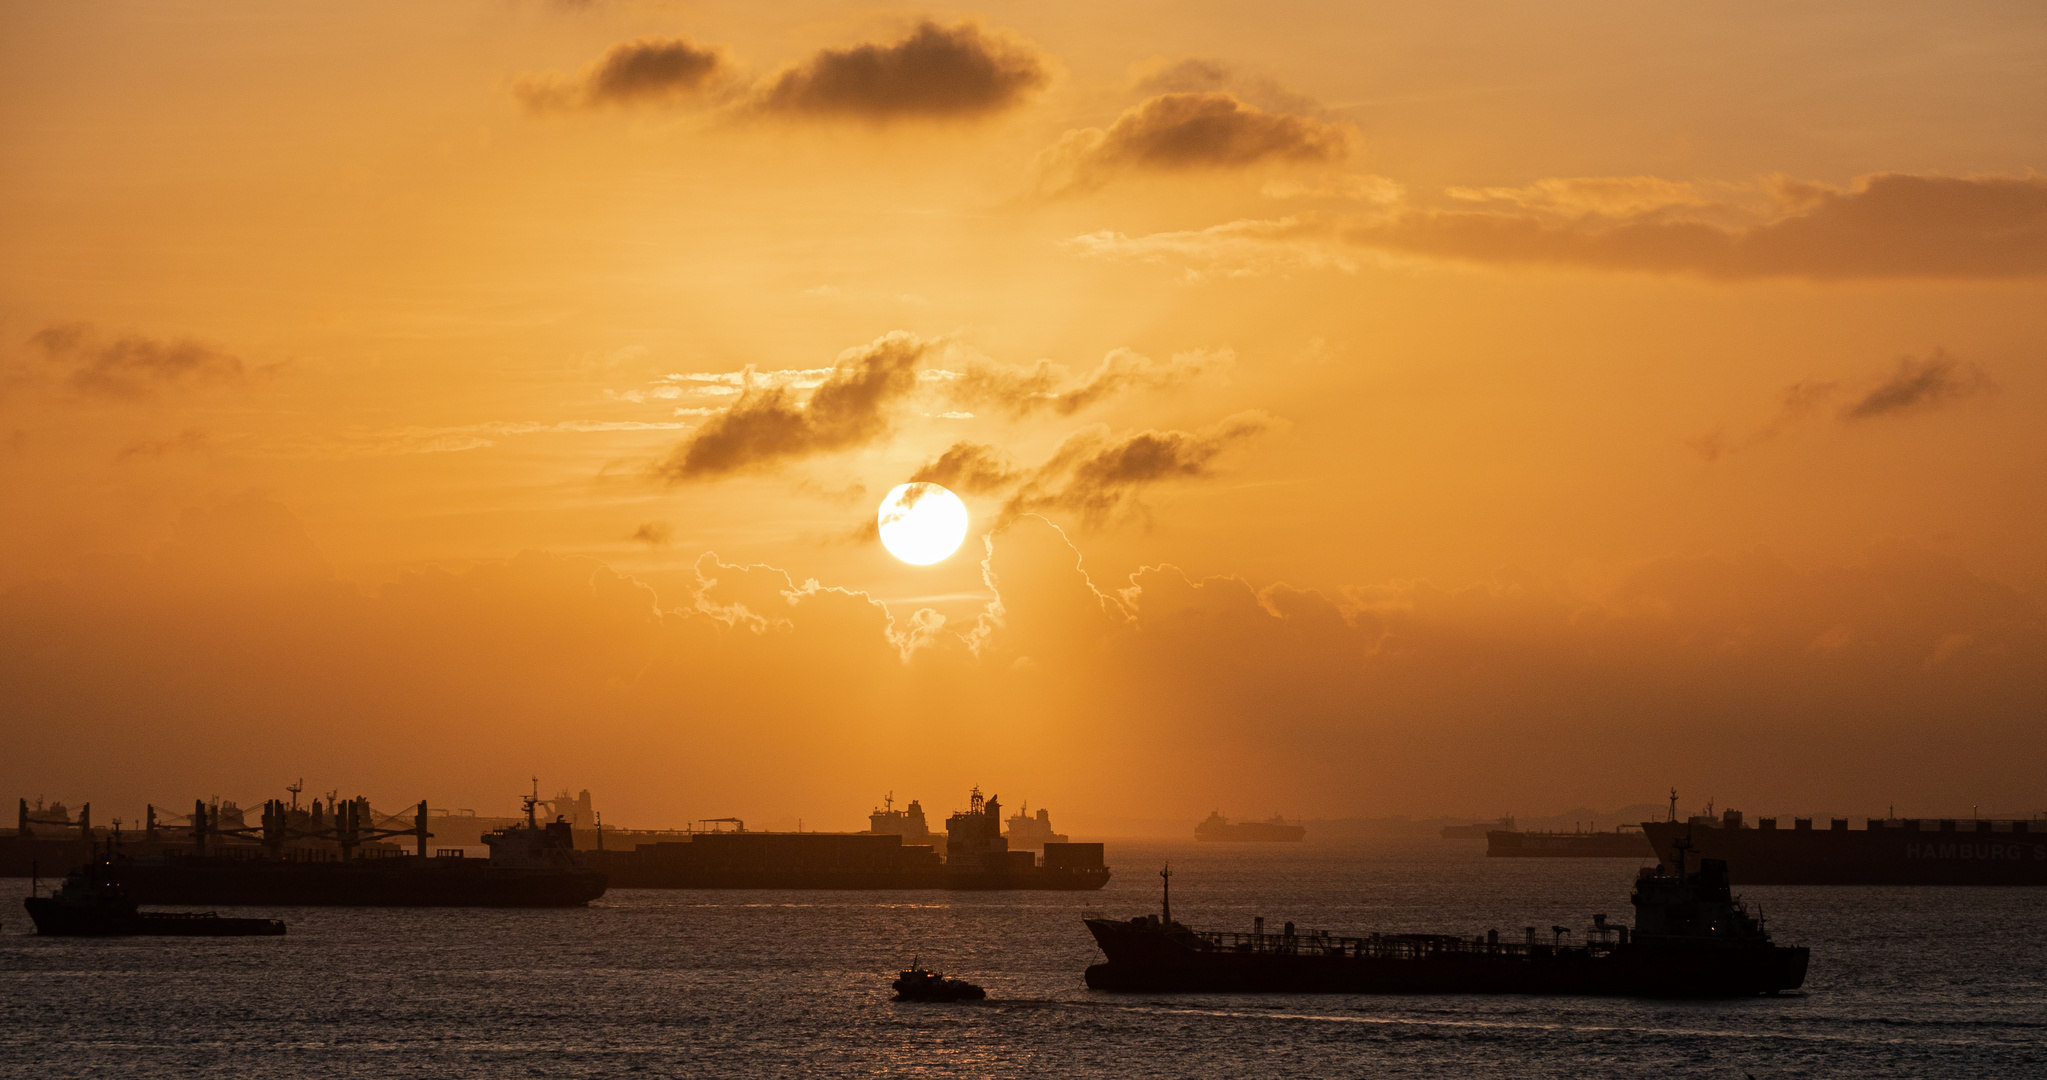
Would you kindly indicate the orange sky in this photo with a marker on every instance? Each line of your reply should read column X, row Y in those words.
column 1364, row 409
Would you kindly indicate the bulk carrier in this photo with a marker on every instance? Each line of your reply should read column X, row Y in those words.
column 1219, row 829
column 530, row 865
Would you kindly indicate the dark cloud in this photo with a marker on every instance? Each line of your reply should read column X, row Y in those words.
column 1045, row 385
column 654, row 533
column 1920, row 384
column 968, row 467
column 631, row 72
column 188, row 441
column 1178, row 132
column 767, row 426
column 935, row 72
column 131, row 366
column 1101, row 477
column 1197, row 75
column 1887, row 226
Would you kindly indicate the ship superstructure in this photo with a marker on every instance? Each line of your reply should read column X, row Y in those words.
column 1028, row 832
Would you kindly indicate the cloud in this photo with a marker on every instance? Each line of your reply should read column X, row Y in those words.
column 766, row 426
column 654, row 533
column 630, row 73
column 1916, row 386
column 1197, row 75
column 1045, row 386
column 131, row 366
column 968, row 467
column 1101, row 477
column 1921, row 384
column 1181, row 132
column 937, row 72
column 1883, row 226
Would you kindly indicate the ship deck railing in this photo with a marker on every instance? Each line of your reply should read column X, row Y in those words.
column 1393, row 946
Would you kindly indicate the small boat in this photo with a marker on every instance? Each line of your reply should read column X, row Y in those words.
column 922, row 984
column 92, row 903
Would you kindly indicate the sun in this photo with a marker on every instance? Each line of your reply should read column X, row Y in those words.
column 922, row 523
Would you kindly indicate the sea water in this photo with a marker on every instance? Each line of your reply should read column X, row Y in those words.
column 1908, row 982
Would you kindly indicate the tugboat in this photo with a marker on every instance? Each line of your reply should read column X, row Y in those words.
column 92, row 903
column 1692, row 938
column 922, row 984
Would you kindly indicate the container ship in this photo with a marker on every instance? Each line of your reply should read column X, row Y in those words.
column 1885, row 851
column 1219, row 829
column 1691, row 938
column 1625, row 842
column 531, row 864
column 977, row 857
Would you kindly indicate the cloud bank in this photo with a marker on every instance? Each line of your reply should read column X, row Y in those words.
column 130, row 366
column 1884, row 226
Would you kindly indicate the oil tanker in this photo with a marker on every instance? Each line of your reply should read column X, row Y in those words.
column 1691, row 938
column 977, row 857
column 1885, row 851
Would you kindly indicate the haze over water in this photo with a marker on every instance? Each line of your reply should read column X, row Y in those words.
column 1904, row 983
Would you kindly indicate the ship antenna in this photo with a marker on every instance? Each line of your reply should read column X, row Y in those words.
column 1673, row 804
column 1166, row 900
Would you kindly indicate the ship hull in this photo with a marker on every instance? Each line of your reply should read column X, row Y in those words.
column 1252, row 832
column 365, row 883
column 53, row 918
column 1888, row 856
column 1155, row 963
column 1032, row 880
column 1597, row 845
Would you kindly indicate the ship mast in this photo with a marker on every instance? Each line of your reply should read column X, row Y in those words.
column 1166, row 900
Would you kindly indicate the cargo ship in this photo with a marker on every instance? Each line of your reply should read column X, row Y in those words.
column 531, row 864
column 1276, row 829
column 1625, row 842
column 977, row 857
column 1691, row 938
column 1885, row 851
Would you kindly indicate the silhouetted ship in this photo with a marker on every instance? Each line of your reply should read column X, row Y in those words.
column 530, row 865
column 1885, row 851
column 1691, row 938
column 921, row 984
column 1220, row 829
column 976, row 857
column 1032, row 831
column 92, row 903
column 1625, row 842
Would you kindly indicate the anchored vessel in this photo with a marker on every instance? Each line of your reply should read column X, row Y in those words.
column 1691, row 938
column 922, row 984
column 1626, row 842
column 531, row 865
column 92, row 903
column 1885, row 851
column 1274, row 830
column 977, row 856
